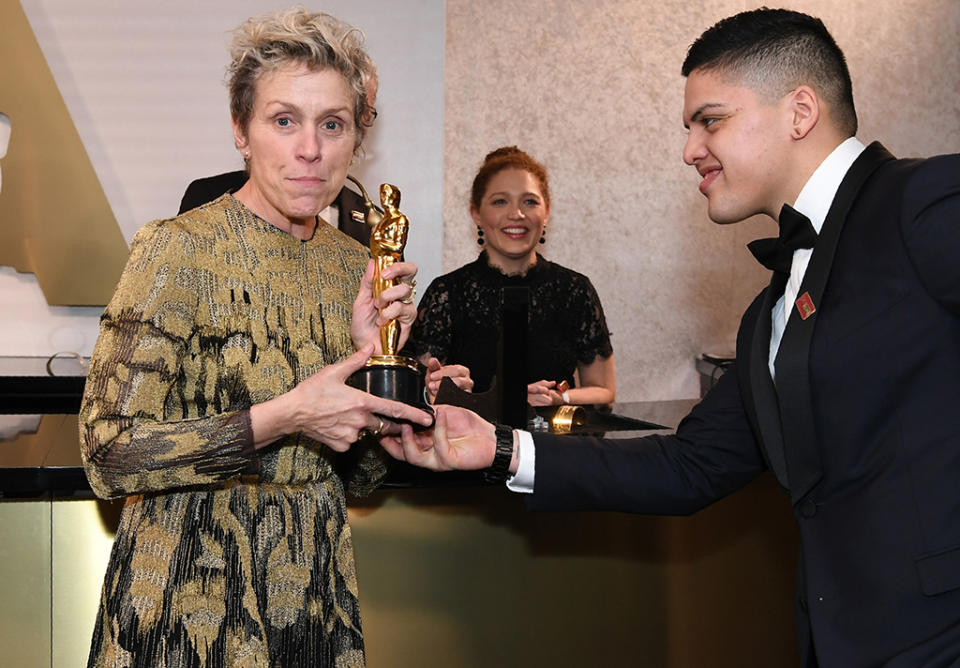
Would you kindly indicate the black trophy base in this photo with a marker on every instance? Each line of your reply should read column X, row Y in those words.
column 396, row 378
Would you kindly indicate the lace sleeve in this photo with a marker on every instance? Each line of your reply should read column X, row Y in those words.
column 592, row 338
column 433, row 330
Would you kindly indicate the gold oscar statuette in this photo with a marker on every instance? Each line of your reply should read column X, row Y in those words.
column 391, row 375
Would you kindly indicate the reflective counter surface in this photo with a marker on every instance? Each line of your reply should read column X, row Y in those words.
column 465, row 561
column 39, row 434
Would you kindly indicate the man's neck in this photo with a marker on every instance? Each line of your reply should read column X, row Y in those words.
column 817, row 194
column 811, row 154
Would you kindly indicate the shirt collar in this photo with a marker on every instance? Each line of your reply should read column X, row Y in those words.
column 817, row 194
column 331, row 215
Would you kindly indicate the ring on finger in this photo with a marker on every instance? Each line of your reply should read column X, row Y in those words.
column 409, row 298
column 371, row 433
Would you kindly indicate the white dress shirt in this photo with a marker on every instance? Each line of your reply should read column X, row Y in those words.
column 814, row 202
column 331, row 215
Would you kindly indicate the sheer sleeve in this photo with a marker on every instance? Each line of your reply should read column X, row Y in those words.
column 591, row 336
column 433, row 329
column 135, row 434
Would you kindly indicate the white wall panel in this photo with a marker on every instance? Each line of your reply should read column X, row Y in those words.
column 144, row 83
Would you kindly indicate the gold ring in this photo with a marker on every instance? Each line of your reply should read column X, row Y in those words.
column 409, row 298
column 371, row 433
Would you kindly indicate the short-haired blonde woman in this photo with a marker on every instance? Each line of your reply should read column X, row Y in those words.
column 216, row 400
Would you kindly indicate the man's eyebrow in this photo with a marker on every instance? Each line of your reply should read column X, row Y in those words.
column 695, row 116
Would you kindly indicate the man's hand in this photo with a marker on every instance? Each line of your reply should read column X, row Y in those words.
column 460, row 440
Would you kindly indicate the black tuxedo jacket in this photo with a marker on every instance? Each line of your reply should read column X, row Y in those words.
column 861, row 429
column 353, row 213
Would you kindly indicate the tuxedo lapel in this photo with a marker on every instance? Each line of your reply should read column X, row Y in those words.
column 763, row 391
column 801, row 445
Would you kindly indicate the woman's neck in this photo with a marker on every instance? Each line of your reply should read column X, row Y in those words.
column 512, row 266
column 299, row 228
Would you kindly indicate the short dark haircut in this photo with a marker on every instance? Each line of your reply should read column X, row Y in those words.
column 774, row 51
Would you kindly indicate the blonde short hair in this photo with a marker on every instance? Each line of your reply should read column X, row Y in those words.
column 265, row 43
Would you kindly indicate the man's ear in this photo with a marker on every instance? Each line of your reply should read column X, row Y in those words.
column 803, row 104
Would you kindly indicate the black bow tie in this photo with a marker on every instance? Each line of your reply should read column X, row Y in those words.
column 796, row 231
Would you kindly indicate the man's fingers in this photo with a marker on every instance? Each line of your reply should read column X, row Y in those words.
column 440, row 442
column 417, row 450
column 394, row 447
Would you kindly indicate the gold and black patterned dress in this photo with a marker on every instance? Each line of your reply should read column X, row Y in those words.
column 225, row 556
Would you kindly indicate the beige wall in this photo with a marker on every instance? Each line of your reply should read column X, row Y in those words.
column 593, row 90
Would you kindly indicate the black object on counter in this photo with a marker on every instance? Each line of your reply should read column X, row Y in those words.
column 41, row 394
column 512, row 356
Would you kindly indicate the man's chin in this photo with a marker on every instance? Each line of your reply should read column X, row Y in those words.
column 722, row 216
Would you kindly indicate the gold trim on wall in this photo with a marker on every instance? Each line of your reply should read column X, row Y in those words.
column 55, row 221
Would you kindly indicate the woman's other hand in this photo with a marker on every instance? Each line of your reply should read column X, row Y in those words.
column 436, row 372
column 394, row 303
column 544, row 393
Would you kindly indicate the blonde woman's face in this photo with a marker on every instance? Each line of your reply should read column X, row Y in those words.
column 298, row 143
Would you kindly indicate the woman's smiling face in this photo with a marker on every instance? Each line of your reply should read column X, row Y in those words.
column 512, row 215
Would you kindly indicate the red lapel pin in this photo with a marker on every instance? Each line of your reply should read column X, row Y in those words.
column 805, row 306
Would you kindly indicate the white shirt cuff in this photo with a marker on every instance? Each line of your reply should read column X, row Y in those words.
column 522, row 481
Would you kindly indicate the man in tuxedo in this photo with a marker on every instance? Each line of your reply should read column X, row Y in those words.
column 847, row 372
column 351, row 212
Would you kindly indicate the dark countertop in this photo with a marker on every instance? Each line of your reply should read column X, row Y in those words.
column 40, row 448
column 41, row 385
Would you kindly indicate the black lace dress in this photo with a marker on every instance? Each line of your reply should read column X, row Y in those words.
column 459, row 319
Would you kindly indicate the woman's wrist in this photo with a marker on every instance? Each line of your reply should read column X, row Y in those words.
column 273, row 419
